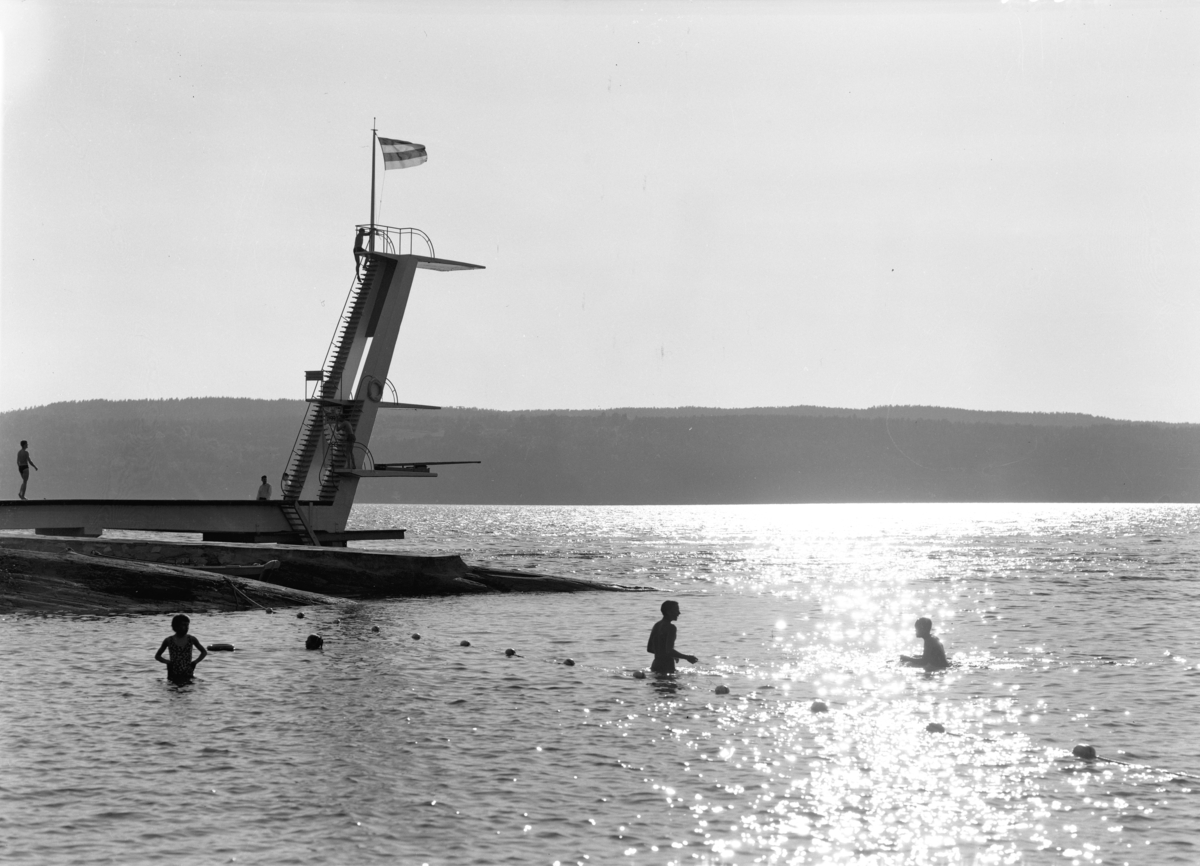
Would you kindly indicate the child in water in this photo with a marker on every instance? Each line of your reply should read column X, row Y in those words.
column 933, row 658
column 662, row 641
column 180, row 666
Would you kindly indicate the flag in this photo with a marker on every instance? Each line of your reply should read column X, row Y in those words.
column 401, row 154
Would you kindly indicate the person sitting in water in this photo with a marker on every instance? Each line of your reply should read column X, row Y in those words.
column 662, row 641
column 180, row 667
column 933, row 658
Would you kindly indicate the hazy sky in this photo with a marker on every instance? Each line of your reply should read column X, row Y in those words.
column 975, row 204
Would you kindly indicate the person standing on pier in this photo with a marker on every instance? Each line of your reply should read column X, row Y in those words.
column 23, row 464
column 264, row 489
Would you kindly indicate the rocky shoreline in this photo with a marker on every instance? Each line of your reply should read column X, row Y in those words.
column 114, row 576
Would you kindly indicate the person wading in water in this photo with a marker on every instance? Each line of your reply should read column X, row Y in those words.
column 180, row 666
column 662, row 641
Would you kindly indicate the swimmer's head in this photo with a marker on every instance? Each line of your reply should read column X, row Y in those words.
column 924, row 626
column 180, row 623
column 670, row 608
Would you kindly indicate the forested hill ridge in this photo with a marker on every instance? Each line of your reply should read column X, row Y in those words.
column 218, row 448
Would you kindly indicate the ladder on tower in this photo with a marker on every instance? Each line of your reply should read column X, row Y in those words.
column 341, row 454
column 304, row 449
column 296, row 521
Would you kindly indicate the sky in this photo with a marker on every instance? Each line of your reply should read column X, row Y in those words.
column 983, row 205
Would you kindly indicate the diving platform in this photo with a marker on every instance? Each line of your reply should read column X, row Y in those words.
column 317, row 486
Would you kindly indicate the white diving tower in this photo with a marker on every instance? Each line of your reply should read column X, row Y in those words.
column 331, row 451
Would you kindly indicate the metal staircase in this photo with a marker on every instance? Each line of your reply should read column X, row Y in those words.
column 296, row 522
column 304, row 449
column 339, row 454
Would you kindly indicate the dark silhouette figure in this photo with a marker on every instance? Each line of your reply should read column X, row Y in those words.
column 345, row 433
column 933, row 658
column 662, row 641
column 23, row 464
column 264, row 489
column 359, row 251
column 180, row 667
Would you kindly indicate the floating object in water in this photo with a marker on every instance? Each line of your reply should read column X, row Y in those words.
column 300, row 615
column 314, row 641
column 1084, row 751
column 569, row 662
column 267, row 610
column 818, row 707
column 639, row 675
column 464, row 643
column 935, row 728
column 510, row 652
column 722, row 690
column 416, row 637
column 374, row 628
column 220, row 647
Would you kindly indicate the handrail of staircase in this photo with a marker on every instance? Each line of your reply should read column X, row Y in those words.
column 393, row 238
column 330, row 352
column 358, row 448
column 311, row 408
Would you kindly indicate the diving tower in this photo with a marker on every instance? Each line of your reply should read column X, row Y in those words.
column 331, row 452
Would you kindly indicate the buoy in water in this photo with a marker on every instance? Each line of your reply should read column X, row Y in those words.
column 722, row 690
column 510, row 652
column 374, row 628
column 569, row 662
column 935, row 728
column 464, row 643
column 220, row 647
column 818, row 707
column 314, row 641
column 416, row 637
column 1084, row 751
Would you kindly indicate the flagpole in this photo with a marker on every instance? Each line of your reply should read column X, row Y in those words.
column 371, row 241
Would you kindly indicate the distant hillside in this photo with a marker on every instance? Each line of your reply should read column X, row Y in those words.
column 201, row 448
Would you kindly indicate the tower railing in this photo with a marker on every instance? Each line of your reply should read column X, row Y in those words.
column 396, row 241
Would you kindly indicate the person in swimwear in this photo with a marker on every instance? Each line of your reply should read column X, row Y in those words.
column 933, row 658
column 345, row 432
column 662, row 641
column 23, row 464
column 180, row 666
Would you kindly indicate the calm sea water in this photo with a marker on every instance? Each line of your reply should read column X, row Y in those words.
column 1068, row 624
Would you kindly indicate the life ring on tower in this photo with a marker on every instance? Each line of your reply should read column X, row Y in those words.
column 375, row 390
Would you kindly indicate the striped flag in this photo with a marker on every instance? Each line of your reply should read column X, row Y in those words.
column 401, row 154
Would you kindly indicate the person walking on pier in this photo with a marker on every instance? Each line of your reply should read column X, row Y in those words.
column 23, row 464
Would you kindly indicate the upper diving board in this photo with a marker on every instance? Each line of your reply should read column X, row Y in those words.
column 430, row 263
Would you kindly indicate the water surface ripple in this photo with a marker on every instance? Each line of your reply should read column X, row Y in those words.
column 1067, row 624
